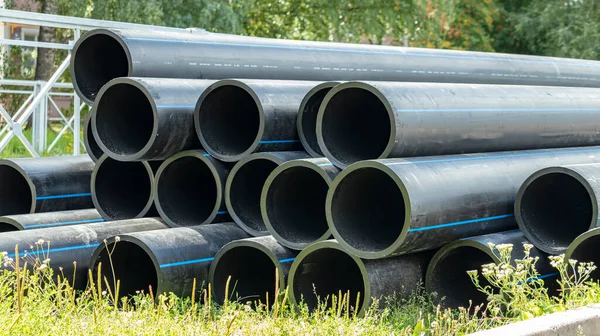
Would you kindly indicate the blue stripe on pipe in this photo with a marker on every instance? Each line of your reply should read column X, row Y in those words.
column 175, row 106
column 206, row 155
column 324, row 164
column 187, row 262
column 540, row 277
column 64, row 223
column 222, row 212
column 525, row 109
column 59, row 249
column 40, row 198
column 470, row 221
column 264, row 142
column 399, row 53
column 286, row 260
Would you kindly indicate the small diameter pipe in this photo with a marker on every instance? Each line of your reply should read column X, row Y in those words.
column 377, row 120
column 557, row 204
column 123, row 190
column 91, row 146
column 381, row 208
column 235, row 118
column 188, row 189
column 307, row 118
column 49, row 219
column 585, row 249
column 244, row 185
column 325, row 269
column 45, row 184
column 70, row 247
column 447, row 272
column 168, row 261
column 254, row 267
column 146, row 118
column 292, row 201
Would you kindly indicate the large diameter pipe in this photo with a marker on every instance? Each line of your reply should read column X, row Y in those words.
column 102, row 54
column 447, row 272
column 164, row 261
column 146, row 118
column 292, row 201
column 49, row 219
column 584, row 248
column 382, row 208
column 244, row 185
column 188, row 189
column 325, row 269
column 557, row 204
column 307, row 117
column 235, row 118
column 70, row 248
column 252, row 270
column 91, row 146
column 123, row 190
column 45, row 184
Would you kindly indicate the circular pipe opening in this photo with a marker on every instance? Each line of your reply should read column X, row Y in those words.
column 124, row 119
column 131, row 265
column 367, row 210
column 16, row 194
column 355, row 126
column 245, row 187
column 187, row 192
column 98, row 59
column 9, row 225
column 229, row 121
column 554, row 209
column 122, row 190
column 587, row 251
column 252, row 275
column 91, row 146
column 307, row 129
column 294, row 206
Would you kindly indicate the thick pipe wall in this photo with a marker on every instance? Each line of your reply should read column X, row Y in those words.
column 71, row 247
column 254, row 268
column 327, row 269
column 146, row 118
column 584, row 248
column 307, row 118
column 244, row 185
column 292, row 200
column 168, row 261
column 49, row 219
column 557, row 204
column 377, row 120
column 235, row 118
column 188, row 189
column 102, row 54
column 45, row 184
column 382, row 208
column 447, row 272
column 91, row 146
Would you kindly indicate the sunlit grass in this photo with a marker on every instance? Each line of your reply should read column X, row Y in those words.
column 64, row 146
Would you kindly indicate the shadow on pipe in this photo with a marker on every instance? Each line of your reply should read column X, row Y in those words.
column 91, row 146
column 49, row 219
column 307, row 117
column 585, row 249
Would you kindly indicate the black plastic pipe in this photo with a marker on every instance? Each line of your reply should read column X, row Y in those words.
column 168, row 261
column 324, row 269
column 585, row 249
column 102, row 54
column 49, row 219
column 307, row 117
column 377, row 120
column 146, row 118
column 235, row 118
column 123, row 190
column 188, row 189
column 557, row 204
column 253, row 267
column 292, row 201
column 45, row 184
column 244, row 185
column 70, row 247
column 382, row 208
column 91, row 146
column 447, row 272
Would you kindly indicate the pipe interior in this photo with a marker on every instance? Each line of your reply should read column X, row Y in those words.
column 450, row 280
column 91, row 144
column 229, row 120
column 368, row 209
column 587, row 251
column 245, row 191
column 132, row 266
column 355, row 126
column 252, row 275
column 309, row 119
column 7, row 227
column 15, row 193
column 122, row 189
column 187, row 191
column 295, row 202
column 324, row 273
column 124, row 119
column 98, row 59
column 555, row 209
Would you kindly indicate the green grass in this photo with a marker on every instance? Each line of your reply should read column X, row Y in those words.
column 64, row 146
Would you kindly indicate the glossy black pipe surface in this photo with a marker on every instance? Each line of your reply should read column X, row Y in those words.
column 49, row 219
column 91, row 146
